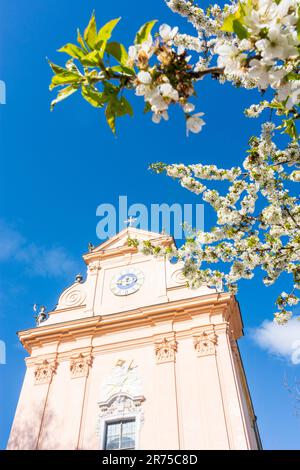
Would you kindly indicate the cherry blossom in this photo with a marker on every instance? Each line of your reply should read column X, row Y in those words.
column 249, row 44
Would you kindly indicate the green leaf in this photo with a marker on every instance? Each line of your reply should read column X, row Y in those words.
column 118, row 51
column 117, row 108
column 71, row 67
column 147, row 107
column 144, row 32
column 298, row 24
column 104, row 34
column 239, row 29
column 94, row 97
column 227, row 25
column 291, row 129
column 124, row 107
column 111, row 116
column 241, row 12
column 56, row 68
column 122, row 69
column 91, row 59
column 110, row 89
column 292, row 76
column 64, row 78
column 72, row 50
column 90, row 33
column 80, row 41
column 63, row 94
column 276, row 105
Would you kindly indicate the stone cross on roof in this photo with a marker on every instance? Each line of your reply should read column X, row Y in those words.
column 130, row 221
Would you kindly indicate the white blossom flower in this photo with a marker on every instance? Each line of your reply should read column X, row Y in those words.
column 282, row 317
column 264, row 74
column 158, row 103
column 294, row 95
column 230, row 57
column 167, row 33
column 185, row 41
column 156, row 118
column 168, row 91
column 194, row 123
column 143, row 49
column 245, row 45
column 276, row 45
column 144, row 78
column 188, row 107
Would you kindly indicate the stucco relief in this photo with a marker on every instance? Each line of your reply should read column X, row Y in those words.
column 165, row 350
column 124, row 378
column 80, row 365
column 74, row 296
column 121, row 396
column 44, row 371
column 121, row 404
column 205, row 343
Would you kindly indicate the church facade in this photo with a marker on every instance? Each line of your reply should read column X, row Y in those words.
column 131, row 358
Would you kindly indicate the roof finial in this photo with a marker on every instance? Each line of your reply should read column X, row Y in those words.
column 79, row 278
column 130, row 221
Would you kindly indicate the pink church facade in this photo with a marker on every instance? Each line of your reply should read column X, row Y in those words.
column 133, row 359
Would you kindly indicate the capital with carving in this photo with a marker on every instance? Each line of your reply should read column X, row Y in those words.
column 80, row 365
column 205, row 343
column 44, row 371
column 165, row 350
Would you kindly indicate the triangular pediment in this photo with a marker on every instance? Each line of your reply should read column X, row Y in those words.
column 120, row 240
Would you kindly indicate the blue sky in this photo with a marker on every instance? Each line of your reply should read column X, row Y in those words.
column 58, row 167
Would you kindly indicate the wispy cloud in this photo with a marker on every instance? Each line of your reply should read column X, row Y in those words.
column 280, row 340
column 36, row 259
column 11, row 241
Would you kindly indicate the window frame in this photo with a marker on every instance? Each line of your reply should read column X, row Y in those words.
column 110, row 412
column 121, row 421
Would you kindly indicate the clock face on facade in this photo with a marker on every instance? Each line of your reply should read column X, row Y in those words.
column 127, row 281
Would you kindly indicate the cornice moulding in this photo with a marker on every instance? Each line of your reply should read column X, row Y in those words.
column 211, row 304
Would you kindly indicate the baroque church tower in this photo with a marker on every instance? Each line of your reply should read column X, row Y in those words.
column 133, row 359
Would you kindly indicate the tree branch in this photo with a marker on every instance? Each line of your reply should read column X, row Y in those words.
column 214, row 71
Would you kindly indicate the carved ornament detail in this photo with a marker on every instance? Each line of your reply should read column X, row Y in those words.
column 165, row 350
column 80, row 365
column 94, row 267
column 44, row 371
column 74, row 296
column 205, row 343
column 178, row 277
column 121, row 404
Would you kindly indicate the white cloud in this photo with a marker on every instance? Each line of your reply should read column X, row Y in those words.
column 10, row 241
column 280, row 340
column 36, row 259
